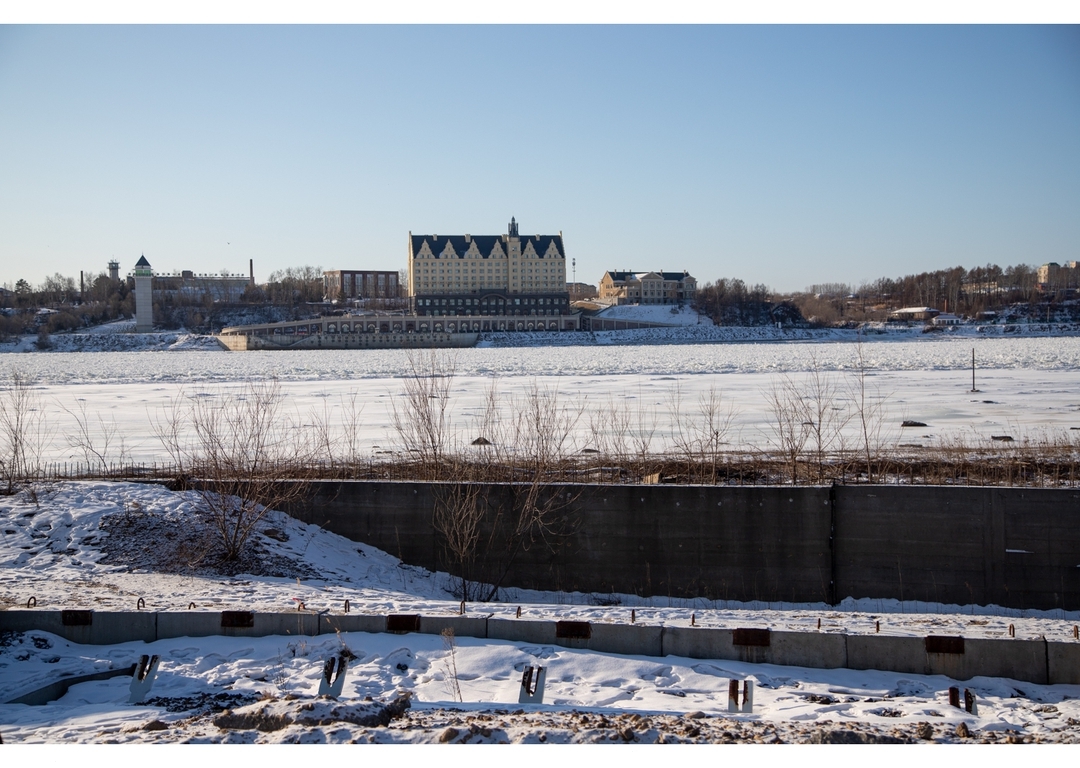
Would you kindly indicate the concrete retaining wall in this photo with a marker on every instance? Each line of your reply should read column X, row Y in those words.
column 1035, row 661
column 1015, row 547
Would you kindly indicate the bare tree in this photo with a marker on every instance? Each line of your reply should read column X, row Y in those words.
column 458, row 513
column 422, row 421
column 826, row 420
column 539, row 442
column 700, row 435
column 24, row 431
column 789, row 429
column 96, row 443
column 244, row 457
column 869, row 410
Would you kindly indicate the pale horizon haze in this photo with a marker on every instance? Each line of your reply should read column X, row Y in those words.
column 783, row 155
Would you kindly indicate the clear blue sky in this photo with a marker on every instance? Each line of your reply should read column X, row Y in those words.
column 783, row 155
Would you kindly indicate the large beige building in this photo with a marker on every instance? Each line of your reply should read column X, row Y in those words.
column 341, row 284
column 648, row 287
column 1054, row 276
column 506, row 274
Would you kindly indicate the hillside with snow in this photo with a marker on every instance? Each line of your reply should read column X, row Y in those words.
column 105, row 545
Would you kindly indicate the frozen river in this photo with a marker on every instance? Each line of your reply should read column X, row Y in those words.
column 1027, row 387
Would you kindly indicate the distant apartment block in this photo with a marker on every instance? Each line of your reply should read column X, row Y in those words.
column 648, row 287
column 506, row 274
column 1054, row 276
column 226, row 287
column 581, row 291
column 344, row 284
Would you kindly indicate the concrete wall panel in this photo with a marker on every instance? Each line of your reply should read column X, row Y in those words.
column 464, row 626
column 898, row 654
column 999, row 657
column 699, row 643
column 1015, row 547
column 112, row 628
column 522, row 630
column 808, row 649
column 351, row 622
column 26, row 620
column 300, row 623
column 626, row 639
column 190, row 624
column 1063, row 660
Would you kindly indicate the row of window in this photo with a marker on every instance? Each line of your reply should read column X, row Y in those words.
column 466, row 302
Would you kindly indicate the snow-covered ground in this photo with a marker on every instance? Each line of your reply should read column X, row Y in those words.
column 103, row 545
column 655, row 313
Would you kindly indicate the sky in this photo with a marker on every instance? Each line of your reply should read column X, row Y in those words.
column 786, row 155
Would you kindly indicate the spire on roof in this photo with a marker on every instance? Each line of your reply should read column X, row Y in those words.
column 513, row 227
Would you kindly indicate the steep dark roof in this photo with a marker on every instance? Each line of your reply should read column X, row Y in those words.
column 484, row 243
column 624, row 276
column 142, row 262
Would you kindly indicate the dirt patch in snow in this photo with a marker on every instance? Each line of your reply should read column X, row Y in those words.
column 185, row 542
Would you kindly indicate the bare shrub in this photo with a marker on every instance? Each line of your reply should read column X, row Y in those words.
column 536, row 443
column 422, row 420
column 789, row 428
column 869, row 411
column 24, row 431
column 458, row 514
column 99, row 444
column 825, row 418
column 453, row 684
column 244, row 456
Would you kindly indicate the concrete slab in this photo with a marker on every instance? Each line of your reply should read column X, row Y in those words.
column 698, row 643
column 522, row 630
column 352, row 622
column 1063, row 660
column 463, row 626
column 302, row 623
column 626, row 639
column 820, row 650
column 897, row 654
column 113, row 627
column 190, row 624
column 998, row 657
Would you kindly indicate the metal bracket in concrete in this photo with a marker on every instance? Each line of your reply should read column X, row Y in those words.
column 532, row 686
column 331, row 684
column 142, row 680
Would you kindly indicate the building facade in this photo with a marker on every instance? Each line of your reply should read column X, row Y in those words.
column 344, row 284
column 144, row 296
column 648, row 287
column 488, row 274
column 1054, row 276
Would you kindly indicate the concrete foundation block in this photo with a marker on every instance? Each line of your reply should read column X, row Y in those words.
column 352, row 622
column 192, row 624
column 1064, row 663
column 24, row 621
column 626, row 639
column 463, row 626
column 299, row 623
column 105, row 628
column 121, row 627
column 808, row 649
column 699, row 643
column 994, row 657
column 896, row 654
column 522, row 630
